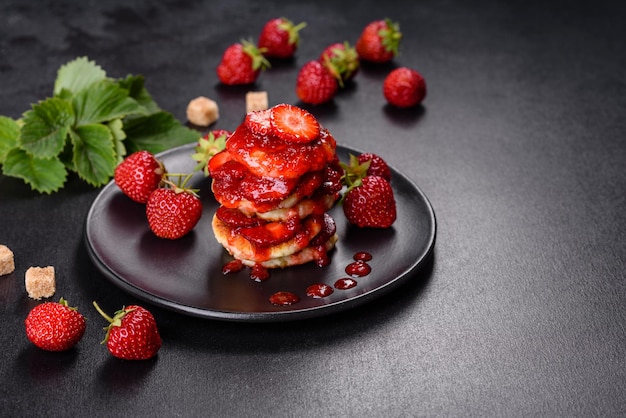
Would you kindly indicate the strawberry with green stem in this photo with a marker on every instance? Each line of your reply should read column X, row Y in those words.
column 280, row 38
column 132, row 333
column 242, row 63
column 209, row 145
column 368, row 201
column 173, row 211
column 379, row 42
column 342, row 61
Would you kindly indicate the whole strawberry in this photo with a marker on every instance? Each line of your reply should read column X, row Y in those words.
column 370, row 204
column 54, row 326
column 173, row 212
column 342, row 61
column 377, row 165
column 379, row 41
column 138, row 175
column 404, row 87
column 132, row 333
column 241, row 64
column 280, row 38
column 315, row 84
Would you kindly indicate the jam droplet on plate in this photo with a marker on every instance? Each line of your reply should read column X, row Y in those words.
column 362, row 256
column 319, row 290
column 232, row 267
column 345, row 283
column 284, row 298
column 358, row 269
column 259, row 273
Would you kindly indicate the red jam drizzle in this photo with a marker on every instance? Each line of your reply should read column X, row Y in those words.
column 232, row 267
column 322, row 259
column 362, row 256
column 345, row 283
column 358, row 269
column 284, row 298
column 319, row 290
column 259, row 273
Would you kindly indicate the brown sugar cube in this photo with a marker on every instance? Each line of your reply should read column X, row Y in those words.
column 256, row 100
column 40, row 282
column 7, row 261
column 202, row 111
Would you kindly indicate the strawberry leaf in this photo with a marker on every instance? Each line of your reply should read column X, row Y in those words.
column 103, row 101
column 136, row 90
column 94, row 153
column 9, row 136
column 45, row 127
column 77, row 75
column 43, row 175
column 117, row 130
column 156, row 133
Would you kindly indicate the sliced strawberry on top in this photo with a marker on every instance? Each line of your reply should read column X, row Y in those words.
column 219, row 160
column 258, row 122
column 293, row 124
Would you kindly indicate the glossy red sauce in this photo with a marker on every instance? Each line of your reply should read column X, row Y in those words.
column 232, row 267
column 358, row 269
column 319, row 290
column 345, row 283
column 258, row 273
column 362, row 256
column 284, row 298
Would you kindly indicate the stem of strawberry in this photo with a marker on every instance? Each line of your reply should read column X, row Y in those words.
column 101, row 312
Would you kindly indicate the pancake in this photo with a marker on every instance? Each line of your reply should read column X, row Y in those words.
column 243, row 249
column 303, row 256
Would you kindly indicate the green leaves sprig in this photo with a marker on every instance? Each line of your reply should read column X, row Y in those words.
column 89, row 124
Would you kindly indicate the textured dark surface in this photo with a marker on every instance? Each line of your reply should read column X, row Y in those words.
column 520, row 147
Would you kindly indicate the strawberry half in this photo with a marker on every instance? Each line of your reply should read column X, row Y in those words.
column 294, row 124
column 138, row 175
column 258, row 122
column 132, row 333
column 54, row 326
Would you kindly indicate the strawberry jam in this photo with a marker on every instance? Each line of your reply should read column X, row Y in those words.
column 284, row 298
column 358, row 269
column 319, row 290
column 362, row 256
column 345, row 283
column 271, row 156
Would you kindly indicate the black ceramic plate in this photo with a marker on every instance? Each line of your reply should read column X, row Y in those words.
column 185, row 275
